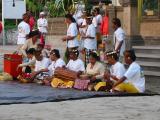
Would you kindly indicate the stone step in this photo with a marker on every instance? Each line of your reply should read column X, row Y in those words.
column 148, row 57
column 57, row 28
column 152, row 73
column 150, row 66
column 147, row 49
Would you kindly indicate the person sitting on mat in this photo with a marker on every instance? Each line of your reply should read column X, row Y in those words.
column 75, row 64
column 41, row 64
column 117, row 69
column 56, row 62
column 95, row 70
column 133, row 81
column 28, row 67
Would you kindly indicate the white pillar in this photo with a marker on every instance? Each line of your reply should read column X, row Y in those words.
column 3, row 32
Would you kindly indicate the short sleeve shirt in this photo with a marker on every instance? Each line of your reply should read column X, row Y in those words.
column 135, row 75
column 72, row 31
column 91, row 43
column 119, row 36
column 54, row 65
column 23, row 31
column 76, row 65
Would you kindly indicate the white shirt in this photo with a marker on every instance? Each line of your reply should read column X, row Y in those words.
column 117, row 70
column 83, row 30
column 73, row 32
column 23, row 31
column 99, row 21
column 91, row 43
column 42, row 25
column 76, row 65
column 94, row 22
column 43, row 64
column 119, row 36
column 135, row 75
column 54, row 65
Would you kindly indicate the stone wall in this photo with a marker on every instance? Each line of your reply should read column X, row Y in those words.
column 10, row 37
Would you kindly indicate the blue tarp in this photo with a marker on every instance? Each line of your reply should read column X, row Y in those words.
column 16, row 93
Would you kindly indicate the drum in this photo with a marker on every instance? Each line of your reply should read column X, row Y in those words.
column 65, row 74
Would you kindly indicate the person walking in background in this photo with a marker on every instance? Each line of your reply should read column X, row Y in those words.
column 119, row 38
column 23, row 31
column 104, row 29
column 42, row 24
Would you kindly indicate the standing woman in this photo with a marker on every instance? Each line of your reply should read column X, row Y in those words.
column 72, row 32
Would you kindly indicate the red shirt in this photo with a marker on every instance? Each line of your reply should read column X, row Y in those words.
column 105, row 26
column 1, row 27
column 31, row 23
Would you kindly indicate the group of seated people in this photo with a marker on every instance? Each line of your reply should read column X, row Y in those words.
column 42, row 68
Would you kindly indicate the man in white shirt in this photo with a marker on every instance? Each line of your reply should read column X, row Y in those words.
column 133, row 77
column 41, row 65
column 42, row 23
column 90, row 43
column 98, row 17
column 119, row 38
column 23, row 31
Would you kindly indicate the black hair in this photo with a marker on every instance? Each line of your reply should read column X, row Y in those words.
column 94, row 55
column 38, row 52
column 31, row 51
column 97, row 10
column 75, row 52
column 69, row 16
column 33, row 33
column 131, row 54
column 117, row 22
column 56, row 52
column 40, row 45
column 25, row 15
column 112, row 54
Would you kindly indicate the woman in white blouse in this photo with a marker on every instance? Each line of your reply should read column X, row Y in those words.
column 72, row 32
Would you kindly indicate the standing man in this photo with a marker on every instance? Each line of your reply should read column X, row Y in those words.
column 90, row 43
column 23, row 31
column 98, row 17
column 42, row 26
column 119, row 38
